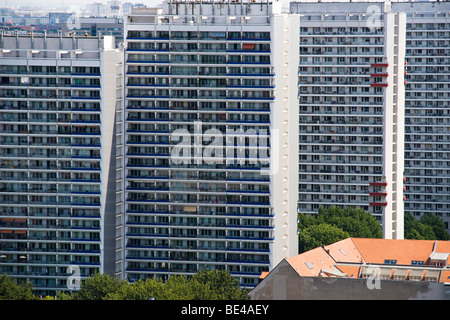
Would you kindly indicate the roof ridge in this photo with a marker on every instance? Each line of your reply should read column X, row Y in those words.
column 359, row 251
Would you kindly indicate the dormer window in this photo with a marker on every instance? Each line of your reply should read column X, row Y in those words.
column 439, row 259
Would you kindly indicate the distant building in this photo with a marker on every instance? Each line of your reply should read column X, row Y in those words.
column 6, row 19
column 357, row 268
column 57, row 17
column 30, row 21
column 111, row 8
column 94, row 26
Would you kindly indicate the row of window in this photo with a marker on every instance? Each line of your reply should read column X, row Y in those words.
column 194, row 35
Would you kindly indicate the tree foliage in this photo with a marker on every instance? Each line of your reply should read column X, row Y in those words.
column 139, row 290
column 361, row 224
column 429, row 227
column 96, row 287
column 437, row 224
column 220, row 285
column 320, row 234
column 205, row 285
column 11, row 290
column 357, row 222
column 334, row 224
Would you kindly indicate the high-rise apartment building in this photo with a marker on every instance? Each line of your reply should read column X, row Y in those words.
column 427, row 108
column 58, row 99
column 351, row 109
column 211, row 140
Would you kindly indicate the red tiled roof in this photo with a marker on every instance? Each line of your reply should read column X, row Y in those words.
column 404, row 251
column 350, row 271
column 350, row 255
column 345, row 251
column 311, row 262
column 445, row 276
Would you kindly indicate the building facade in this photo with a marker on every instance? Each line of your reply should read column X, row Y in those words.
column 351, row 109
column 58, row 97
column 211, row 140
column 427, row 108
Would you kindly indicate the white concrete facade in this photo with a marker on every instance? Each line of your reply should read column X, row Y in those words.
column 58, row 100
column 427, row 108
column 284, row 153
column 193, row 67
column 351, row 90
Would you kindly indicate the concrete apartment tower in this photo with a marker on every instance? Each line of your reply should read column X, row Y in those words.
column 211, row 142
column 427, row 108
column 58, row 99
column 351, row 92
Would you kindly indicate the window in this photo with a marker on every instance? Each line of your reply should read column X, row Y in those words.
column 390, row 261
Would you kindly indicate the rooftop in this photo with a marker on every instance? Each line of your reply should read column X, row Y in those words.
column 419, row 260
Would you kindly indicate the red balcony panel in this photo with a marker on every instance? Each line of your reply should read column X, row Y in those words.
column 378, row 194
column 379, row 65
column 383, row 75
column 248, row 46
column 378, row 184
column 379, row 84
column 378, row 204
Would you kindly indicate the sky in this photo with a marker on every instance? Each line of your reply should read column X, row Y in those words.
column 72, row 3
column 66, row 3
column 81, row 4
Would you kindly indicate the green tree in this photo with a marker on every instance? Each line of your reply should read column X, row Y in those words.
column 357, row 222
column 11, row 290
column 320, row 234
column 138, row 290
column 305, row 221
column 437, row 224
column 96, row 287
column 413, row 234
column 219, row 284
column 334, row 224
column 177, row 287
column 416, row 230
column 205, row 285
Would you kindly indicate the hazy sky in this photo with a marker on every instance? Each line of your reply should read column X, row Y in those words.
column 66, row 3
column 81, row 4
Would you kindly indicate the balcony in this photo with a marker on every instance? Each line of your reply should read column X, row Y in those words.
column 378, row 194
column 379, row 85
column 378, row 184
column 378, row 204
